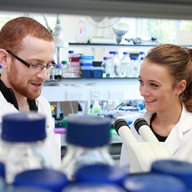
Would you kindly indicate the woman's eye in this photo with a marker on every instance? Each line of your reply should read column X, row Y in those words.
column 154, row 85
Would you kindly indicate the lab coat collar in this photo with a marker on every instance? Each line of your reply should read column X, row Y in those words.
column 185, row 118
column 176, row 135
column 10, row 97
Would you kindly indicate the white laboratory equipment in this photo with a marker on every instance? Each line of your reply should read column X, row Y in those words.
column 141, row 154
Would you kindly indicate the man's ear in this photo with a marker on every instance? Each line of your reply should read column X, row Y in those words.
column 4, row 59
column 182, row 86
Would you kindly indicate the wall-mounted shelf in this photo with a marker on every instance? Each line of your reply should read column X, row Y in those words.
column 108, row 44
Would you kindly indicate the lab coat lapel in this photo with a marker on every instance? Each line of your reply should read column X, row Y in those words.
column 177, row 134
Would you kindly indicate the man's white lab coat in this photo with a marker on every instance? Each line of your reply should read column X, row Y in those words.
column 52, row 143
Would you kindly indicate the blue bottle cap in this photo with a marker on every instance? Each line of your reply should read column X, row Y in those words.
column 59, row 66
column 88, row 131
column 101, row 173
column 70, row 51
column 113, row 52
column 154, row 183
column 93, row 187
column 42, row 178
column 23, row 127
column 177, row 168
column 105, row 58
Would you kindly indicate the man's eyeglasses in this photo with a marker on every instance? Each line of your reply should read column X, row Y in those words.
column 38, row 67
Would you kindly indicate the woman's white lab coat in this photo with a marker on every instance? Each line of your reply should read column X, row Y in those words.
column 53, row 143
column 179, row 141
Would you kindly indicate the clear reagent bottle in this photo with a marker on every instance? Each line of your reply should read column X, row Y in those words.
column 23, row 137
column 88, row 138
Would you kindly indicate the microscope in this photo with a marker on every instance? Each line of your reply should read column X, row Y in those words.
column 141, row 154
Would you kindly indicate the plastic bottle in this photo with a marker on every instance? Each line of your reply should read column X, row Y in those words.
column 96, row 109
column 65, row 69
column 93, row 187
column 177, row 168
column 70, row 54
column 59, row 71
column 48, row 179
column 141, row 59
column 10, row 188
column 135, row 67
column 88, row 138
column 101, row 173
column 106, row 67
column 114, row 63
column 2, row 170
column 23, row 136
column 153, row 182
column 2, row 184
column 124, row 64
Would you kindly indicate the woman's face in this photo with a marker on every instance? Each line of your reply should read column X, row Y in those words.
column 158, row 87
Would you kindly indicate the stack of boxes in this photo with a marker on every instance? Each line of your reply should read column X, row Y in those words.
column 74, row 65
column 86, row 66
column 90, row 68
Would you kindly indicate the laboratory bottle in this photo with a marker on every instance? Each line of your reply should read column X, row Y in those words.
column 134, row 66
column 106, row 67
column 70, row 55
column 65, row 69
column 59, row 71
column 93, row 187
column 53, row 180
column 52, row 73
column 96, row 108
column 124, row 64
column 11, row 188
column 149, row 182
column 87, row 139
column 2, row 170
column 176, row 168
column 141, row 59
column 101, row 173
column 23, row 139
column 114, row 63
column 141, row 56
column 2, row 184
